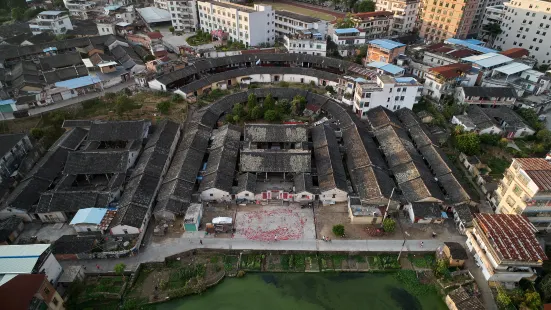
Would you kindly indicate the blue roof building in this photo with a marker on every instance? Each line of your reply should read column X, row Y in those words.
column 386, row 44
column 92, row 216
column 470, row 44
column 387, row 68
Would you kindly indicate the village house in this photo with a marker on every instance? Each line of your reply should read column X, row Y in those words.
column 505, row 247
column 462, row 217
column 363, row 214
column 28, row 259
column 30, row 291
column 454, row 253
column 425, row 213
column 459, row 299
column 13, row 149
column 246, row 187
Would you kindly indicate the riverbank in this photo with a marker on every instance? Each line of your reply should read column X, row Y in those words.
column 193, row 272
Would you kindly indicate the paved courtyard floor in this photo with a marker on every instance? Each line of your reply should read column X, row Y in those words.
column 266, row 223
column 45, row 232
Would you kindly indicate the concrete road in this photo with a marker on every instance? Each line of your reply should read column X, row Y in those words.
column 156, row 252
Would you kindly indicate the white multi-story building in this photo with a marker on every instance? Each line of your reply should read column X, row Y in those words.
column 57, row 22
column 305, row 44
column 442, row 81
column 250, row 26
column 526, row 24
column 79, row 8
column 405, row 14
column 289, row 23
column 184, row 15
column 389, row 92
column 483, row 5
column 505, row 247
column 161, row 4
column 492, row 15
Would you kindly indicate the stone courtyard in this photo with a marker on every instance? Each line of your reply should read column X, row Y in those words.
column 265, row 223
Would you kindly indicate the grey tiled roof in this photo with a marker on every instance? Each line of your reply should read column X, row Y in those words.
column 8, row 141
column 27, row 194
column 70, row 201
column 426, row 209
column 59, row 61
column 71, row 139
column 275, row 161
column 50, row 165
column 380, row 116
column 372, row 183
column 130, row 215
column 117, row 130
column 303, row 183
column 70, row 123
column 246, row 182
column 163, row 136
column 436, row 159
column 222, row 159
column 408, row 117
column 140, row 190
column 96, row 162
column 185, row 165
column 455, row 193
column 276, row 133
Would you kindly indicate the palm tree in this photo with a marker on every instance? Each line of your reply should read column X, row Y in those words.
column 491, row 31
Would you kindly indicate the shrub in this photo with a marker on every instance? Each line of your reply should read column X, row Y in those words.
column 241, row 273
column 164, row 107
column 283, row 84
column 271, row 115
column 389, row 225
column 37, row 133
column 330, row 89
column 338, row 230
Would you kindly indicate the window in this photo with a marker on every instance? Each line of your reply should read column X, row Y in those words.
column 46, row 291
column 125, row 231
column 211, row 195
column 517, row 190
column 55, row 301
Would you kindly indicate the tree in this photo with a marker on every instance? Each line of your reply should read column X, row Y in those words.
column 468, row 143
column 298, row 104
column 345, row 22
column 490, row 139
column 365, row 6
column 256, row 113
column 351, row 4
column 271, row 115
column 531, row 117
column 532, row 300
column 389, row 225
column 124, row 103
column 119, row 269
column 31, row 13
column 544, row 136
column 269, row 102
column 149, row 58
column 545, row 287
column 543, row 68
column 251, row 104
column 37, row 133
column 502, row 298
column 171, row 29
column 283, row 107
column 59, row 3
column 441, row 268
column 338, row 230
column 164, row 107
column 492, row 31
column 17, row 13
column 238, row 110
column 330, row 89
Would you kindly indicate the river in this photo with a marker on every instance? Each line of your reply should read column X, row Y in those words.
column 308, row 291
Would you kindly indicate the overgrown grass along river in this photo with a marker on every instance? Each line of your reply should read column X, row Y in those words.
column 307, row 291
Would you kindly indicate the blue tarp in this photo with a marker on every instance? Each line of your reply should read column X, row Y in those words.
column 390, row 68
column 474, row 41
column 346, row 30
column 405, row 80
column 7, row 101
column 386, row 44
column 470, row 46
column 78, row 82
column 89, row 216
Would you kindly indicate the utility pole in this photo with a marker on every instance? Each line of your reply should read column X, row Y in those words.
column 387, row 205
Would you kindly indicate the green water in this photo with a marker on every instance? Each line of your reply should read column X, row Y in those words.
column 308, row 292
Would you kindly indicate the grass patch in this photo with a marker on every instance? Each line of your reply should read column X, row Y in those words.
column 425, row 261
column 252, row 262
column 409, row 280
column 498, row 165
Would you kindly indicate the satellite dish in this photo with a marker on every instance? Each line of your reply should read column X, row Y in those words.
column 126, row 243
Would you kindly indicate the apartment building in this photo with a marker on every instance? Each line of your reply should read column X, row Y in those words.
column 505, row 247
column 250, row 26
column 481, row 9
column 442, row 19
column 526, row 189
column 375, row 24
column 442, row 81
column 405, row 14
column 56, row 22
column 390, row 92
column 492, row 15
column 289, row 23
column 80, row 8
column 161, row 4
column 384, row 50
column 305, row 43
column 183, row 14
column 526, row 24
